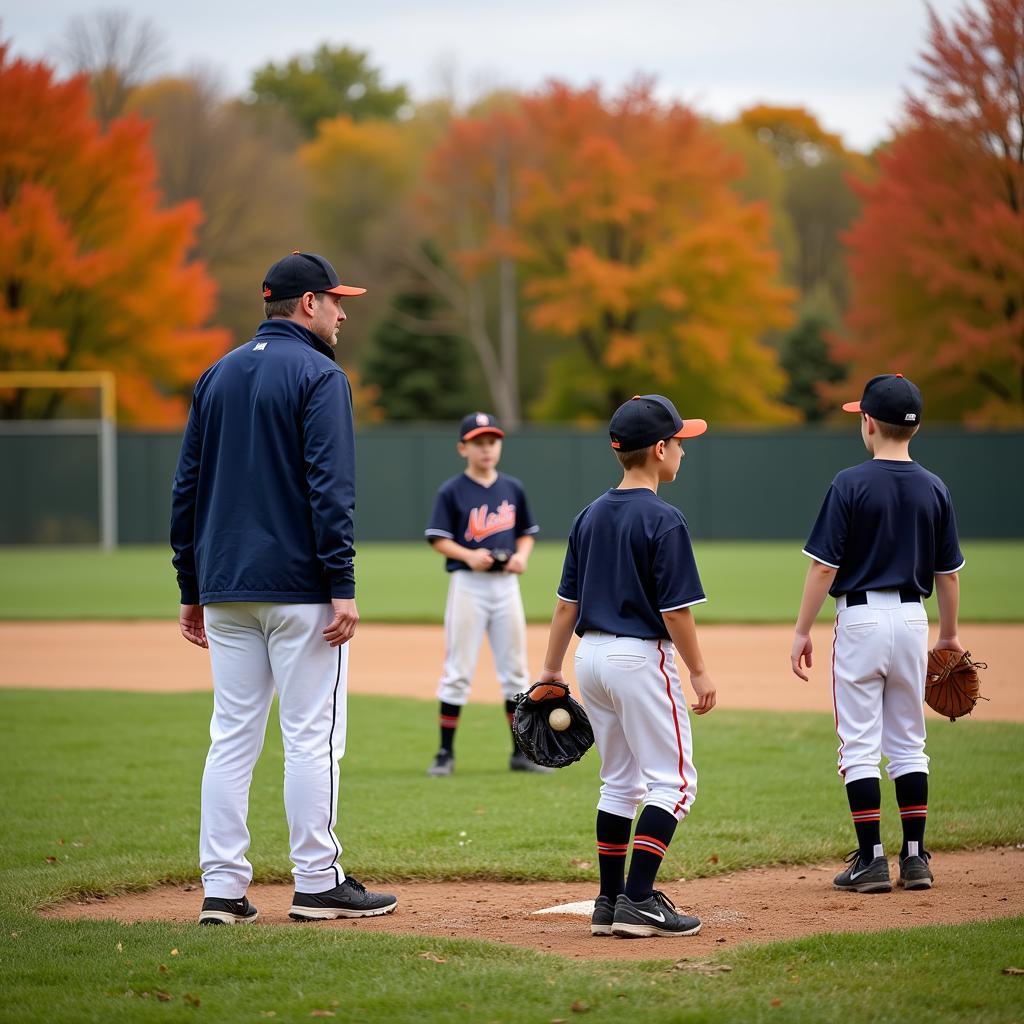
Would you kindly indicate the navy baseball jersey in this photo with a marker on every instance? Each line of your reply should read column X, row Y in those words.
column 886, row 525
column 629, row 559
column 476, row 516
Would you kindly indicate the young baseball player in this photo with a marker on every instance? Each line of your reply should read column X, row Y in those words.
column 628, row 584
column 885, row 535
column 482, row 525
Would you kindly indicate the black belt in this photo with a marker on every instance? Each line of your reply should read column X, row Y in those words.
column 907, row 596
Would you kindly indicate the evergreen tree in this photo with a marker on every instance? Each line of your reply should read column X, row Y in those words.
column 418, row 369
column 804, row 355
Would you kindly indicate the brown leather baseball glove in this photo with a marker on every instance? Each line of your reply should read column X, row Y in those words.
column 952, row 686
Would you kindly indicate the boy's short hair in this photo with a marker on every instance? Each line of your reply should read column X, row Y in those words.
column 896, row 431
column 634, row 459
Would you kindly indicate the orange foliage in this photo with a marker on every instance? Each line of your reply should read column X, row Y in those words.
column 938, row 257
column 93, row 274
column 630, row 242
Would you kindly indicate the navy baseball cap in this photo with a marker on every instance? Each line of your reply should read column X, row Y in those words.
column 303, row 272
column 890, row 398
column 646, row 419
column 477, row 423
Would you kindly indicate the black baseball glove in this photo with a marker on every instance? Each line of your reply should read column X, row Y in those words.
column 501, row 557
column 537, row 740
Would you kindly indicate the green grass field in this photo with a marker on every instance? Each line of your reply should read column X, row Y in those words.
column 100, row 793
column 745, row 582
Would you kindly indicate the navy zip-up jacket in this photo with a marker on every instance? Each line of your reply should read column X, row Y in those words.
column 264, row 495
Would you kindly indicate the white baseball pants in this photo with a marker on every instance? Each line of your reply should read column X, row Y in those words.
column 635, row 702
column 478, row 603
column 879, row 663
column 255, row 649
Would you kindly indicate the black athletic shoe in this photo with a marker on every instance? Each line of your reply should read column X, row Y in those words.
column 443, row 764
column 350, row 899
column 915, row 872
column 861, row 877
column 217, row 911
column 604, row 914
column 519, row 762
column 654, row 916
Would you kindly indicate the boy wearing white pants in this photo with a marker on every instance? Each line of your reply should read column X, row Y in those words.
column 481, row 524
column 628, row 585
column 885, row 535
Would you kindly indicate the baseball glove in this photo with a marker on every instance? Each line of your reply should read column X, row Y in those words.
column 537, row 740
column 952, row 686
column 501, row 557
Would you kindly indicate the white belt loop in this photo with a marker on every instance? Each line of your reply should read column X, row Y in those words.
column 840, row 602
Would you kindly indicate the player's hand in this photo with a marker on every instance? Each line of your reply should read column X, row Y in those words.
column 549, row 693
column 516, row 564
column 704, row 689
column 800, row 652
column 948, row 643
column 193, row 627
column 479, row 559
column 343, row 626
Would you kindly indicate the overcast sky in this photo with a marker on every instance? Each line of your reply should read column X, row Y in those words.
column 847, row 62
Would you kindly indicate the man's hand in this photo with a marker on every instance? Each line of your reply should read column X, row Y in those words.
column 800, row 652
column 704, row 688
column 948, row 643
column 479, row 559
column 516, row 564
column 343, row 625
column 193, row 627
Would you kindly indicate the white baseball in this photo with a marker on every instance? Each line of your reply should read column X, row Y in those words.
column 559, row 719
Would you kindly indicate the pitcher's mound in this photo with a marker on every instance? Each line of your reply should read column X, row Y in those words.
column 760, row 905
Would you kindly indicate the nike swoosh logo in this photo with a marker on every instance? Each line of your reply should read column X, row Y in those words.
column 654, row 917
column 853, row 875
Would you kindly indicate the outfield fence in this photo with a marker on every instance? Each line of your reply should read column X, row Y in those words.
column 733, row 485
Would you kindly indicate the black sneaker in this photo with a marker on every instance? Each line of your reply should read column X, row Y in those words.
column 444, row 764
column 604, row 914
column 861, row 877
column 656, row 915
column 519, row 762
column 915, row 872
column 216, row 911
column 350, row 899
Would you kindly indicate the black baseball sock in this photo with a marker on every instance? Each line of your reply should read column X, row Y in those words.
column 449, row 723
column 654, row 831
column 865, row 796
column 612, row 846
column 510, row 710
column 912, row 796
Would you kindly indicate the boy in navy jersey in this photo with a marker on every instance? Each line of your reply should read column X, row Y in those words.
column 476, row 513
column 628, row 583
column 885, row 533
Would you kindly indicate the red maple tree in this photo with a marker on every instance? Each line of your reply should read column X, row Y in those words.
column 93, row 273
column 938, row 255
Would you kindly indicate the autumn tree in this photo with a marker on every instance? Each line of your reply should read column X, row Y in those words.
column 330, row 82
column 938, row 255
column 632, row 253
column 243, row 172
column 93, row 273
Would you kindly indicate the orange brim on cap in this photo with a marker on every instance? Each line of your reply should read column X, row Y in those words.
column 692, row 428
column 852, row 407
column 483, row 430
column 345, row 289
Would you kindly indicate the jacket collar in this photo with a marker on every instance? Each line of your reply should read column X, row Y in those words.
column 290, row 329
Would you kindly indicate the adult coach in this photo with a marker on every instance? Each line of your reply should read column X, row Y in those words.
column 262, row 533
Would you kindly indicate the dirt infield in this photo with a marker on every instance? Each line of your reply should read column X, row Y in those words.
column 750, row 664
column 762, row 905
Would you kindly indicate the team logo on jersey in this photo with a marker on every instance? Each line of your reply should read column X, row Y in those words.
column 483, row 523
column 259, row 346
